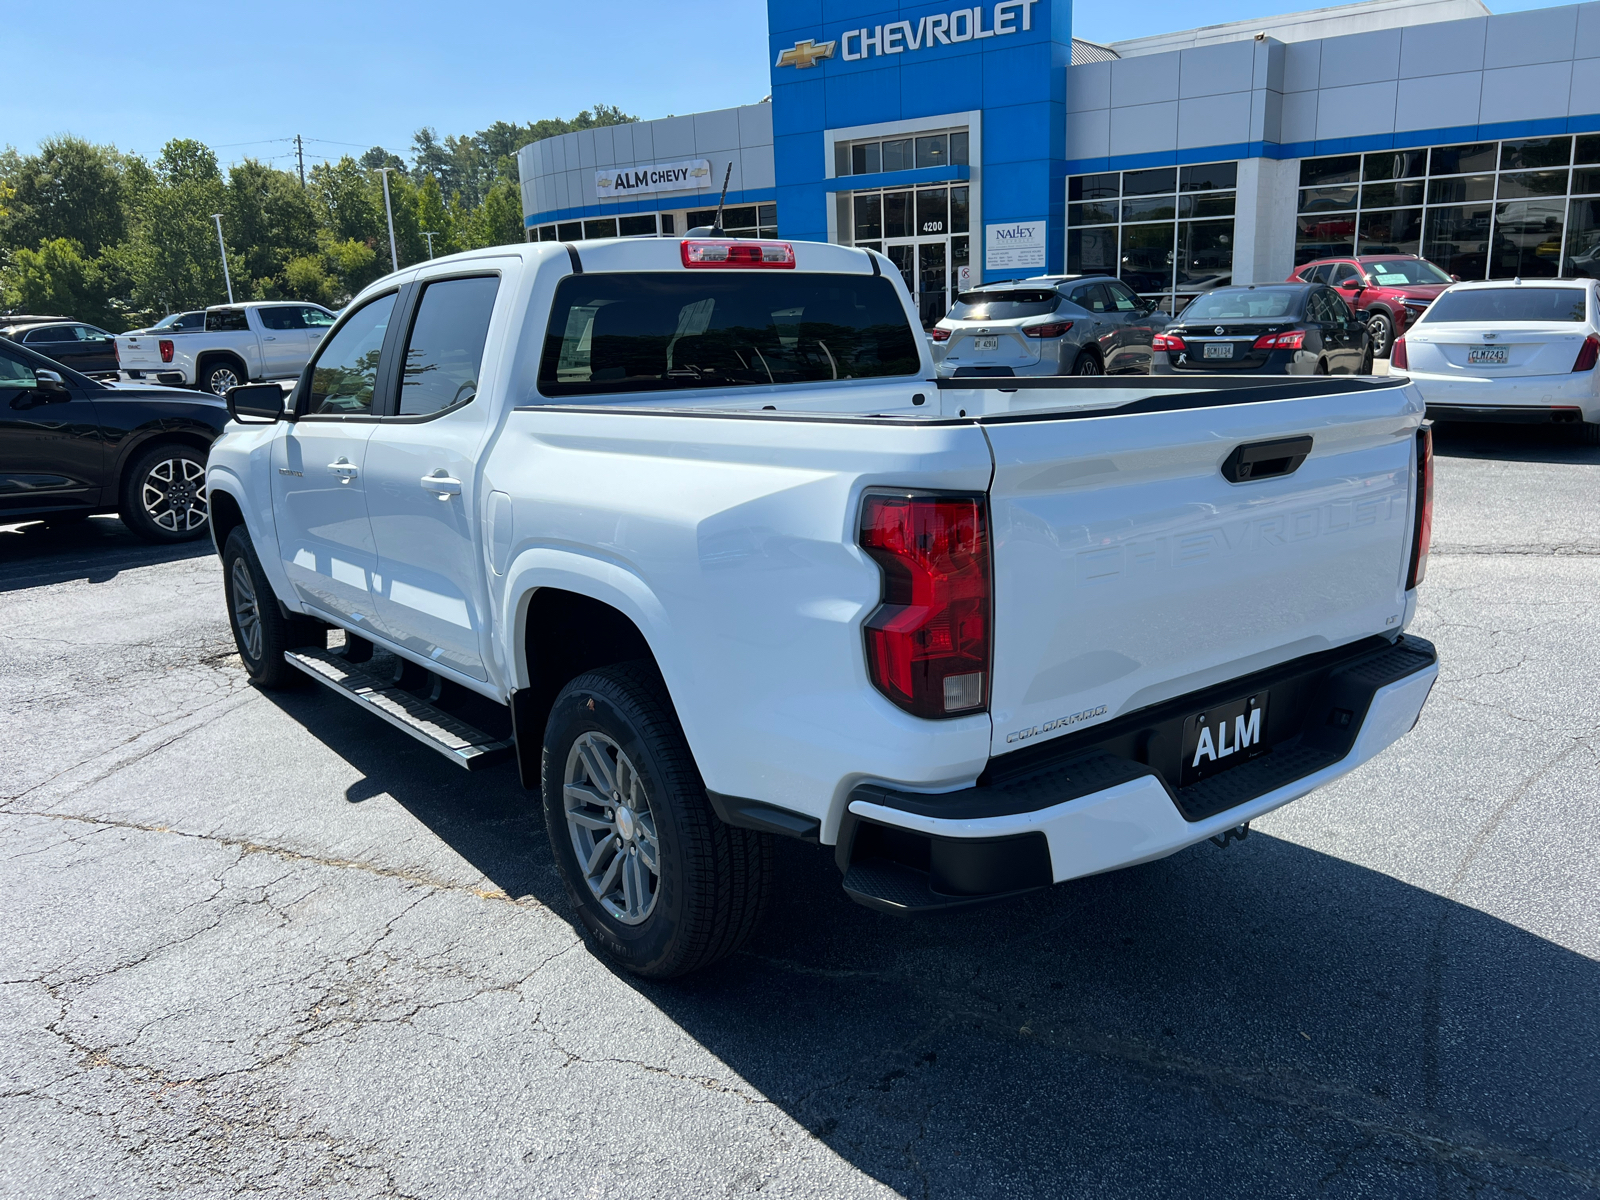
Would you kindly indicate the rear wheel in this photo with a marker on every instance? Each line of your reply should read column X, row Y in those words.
column 1588, row 434
column 1088, row 363
column 218, row 376
column 1380, row 326
column 260, row 630
column 164, row 494
column 659, row 882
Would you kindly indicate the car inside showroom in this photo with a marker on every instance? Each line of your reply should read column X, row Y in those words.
column 988, row 143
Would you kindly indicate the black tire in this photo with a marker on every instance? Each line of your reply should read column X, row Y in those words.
column 260, row 630
column 220, row 374
column 1087, row 363
column 1380, row 330
column 1322, row 367
column 1366, row 361
column 164, row 494
column 1588, row 434
column 710, row 887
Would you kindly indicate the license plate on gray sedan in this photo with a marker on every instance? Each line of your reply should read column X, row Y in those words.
column 1486, row 354
column 1219, row 350
column 986, row 343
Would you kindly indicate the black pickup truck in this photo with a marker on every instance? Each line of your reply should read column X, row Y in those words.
column 71, row 447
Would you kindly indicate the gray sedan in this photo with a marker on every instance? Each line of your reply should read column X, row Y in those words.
column 1048, row 325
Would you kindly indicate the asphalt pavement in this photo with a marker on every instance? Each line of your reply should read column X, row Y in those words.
column 264, row 944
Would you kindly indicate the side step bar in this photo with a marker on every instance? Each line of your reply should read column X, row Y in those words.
column 456, row 740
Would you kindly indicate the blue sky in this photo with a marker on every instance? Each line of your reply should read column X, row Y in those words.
column 355, row 73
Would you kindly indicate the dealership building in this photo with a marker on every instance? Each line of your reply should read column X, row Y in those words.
column 986, row 143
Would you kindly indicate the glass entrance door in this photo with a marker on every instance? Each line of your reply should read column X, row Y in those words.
column 924, row 263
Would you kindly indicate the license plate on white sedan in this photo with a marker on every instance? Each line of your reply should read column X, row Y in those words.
column 1486, row 354
column 1219, row 350
column 986, row 343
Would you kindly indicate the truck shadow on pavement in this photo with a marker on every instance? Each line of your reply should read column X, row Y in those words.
column 1512, row 443
column 33, row 554
column 1262, row 1021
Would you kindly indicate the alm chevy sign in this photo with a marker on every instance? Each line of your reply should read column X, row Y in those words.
column 939, row 29
column 662, row 177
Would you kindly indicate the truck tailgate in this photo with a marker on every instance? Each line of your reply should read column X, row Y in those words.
column 140, row 352
column 1129, row 570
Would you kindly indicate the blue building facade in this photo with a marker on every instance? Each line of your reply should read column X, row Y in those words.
column 984, row 143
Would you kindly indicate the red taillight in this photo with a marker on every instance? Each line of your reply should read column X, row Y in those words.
column 1044, row 331
column 1422, row 531
column 1169, row 342
column 166, row 350
column 1293, row 340
column 738, row 254
column 928, row 641
column 939, row 335
column 1588, row 353
column 1397, row 356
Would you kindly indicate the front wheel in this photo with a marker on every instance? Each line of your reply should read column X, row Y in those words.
column 164, row 494
column 260, row 630
column 659, row 882
column 1380, row 328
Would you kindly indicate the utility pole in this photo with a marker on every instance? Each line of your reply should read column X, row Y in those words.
column 223, row 246
column 430, row 235
column 394, row 256
column 300, row 156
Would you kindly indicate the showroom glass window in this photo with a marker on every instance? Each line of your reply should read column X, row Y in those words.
column 1526, row 208
column 1165, row 232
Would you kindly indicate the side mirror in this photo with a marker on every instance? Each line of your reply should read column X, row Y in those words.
column 256, row 403
column 50, row 381
column 1350, row 285
column 1455, row 279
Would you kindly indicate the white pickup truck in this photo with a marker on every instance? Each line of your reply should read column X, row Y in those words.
column 267, row 339
column 690, row 529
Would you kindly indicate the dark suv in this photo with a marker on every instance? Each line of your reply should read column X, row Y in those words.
column 1388, row 291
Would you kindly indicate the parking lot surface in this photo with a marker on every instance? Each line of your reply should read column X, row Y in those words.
column 264, row 944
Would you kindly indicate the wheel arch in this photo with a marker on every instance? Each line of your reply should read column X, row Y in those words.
column 144, row 439
column 206, row 358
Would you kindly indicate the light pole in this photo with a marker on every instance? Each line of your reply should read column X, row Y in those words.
column 394, row 257
column 430, row 235
column 223, row 246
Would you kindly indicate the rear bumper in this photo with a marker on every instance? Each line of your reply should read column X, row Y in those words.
column 164, row 375
column 1278, row 362
column 1541, row 396
column 1100, row 808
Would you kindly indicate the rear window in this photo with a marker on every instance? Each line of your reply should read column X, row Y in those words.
column 1004, row 306
column 649, row 332
column 1244, row 305
column 1508, row 304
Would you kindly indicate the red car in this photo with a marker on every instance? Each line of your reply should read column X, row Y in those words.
column 1389, row 291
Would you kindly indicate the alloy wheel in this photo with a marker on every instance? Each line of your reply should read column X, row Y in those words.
column 612, row 828
column 221, row 379
column 1378, row 331
column 246, row 610
column 174, row 495
column 1088, row 364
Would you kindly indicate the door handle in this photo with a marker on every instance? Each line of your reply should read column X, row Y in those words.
column 344, row 469
column 441, row 485
column 268, row 339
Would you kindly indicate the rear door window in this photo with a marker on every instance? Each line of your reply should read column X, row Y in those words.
column 444, row 354
column 55, row 333
column 1508, row 304
column 227, row 320
column 665, row 331
column 346, row 372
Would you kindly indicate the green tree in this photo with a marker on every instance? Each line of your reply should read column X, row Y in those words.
column 432, row 213
column 58, row 278
column 497, row 221
column 268, row 221
column 172, row 259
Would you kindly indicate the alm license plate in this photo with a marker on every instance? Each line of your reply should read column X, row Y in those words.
column 1486, row 354
column 986, row 343
column 1223, row 737
column 1219, row 350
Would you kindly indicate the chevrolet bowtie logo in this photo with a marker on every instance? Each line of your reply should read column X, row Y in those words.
column 805, row 54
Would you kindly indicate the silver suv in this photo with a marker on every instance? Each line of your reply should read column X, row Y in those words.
column 1048, row 325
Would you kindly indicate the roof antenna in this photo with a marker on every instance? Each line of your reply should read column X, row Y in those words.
column 716, row 225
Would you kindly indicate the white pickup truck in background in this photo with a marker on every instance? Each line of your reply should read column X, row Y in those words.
column 239, row 343
column 690, row 529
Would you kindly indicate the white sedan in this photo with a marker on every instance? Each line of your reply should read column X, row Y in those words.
column 1522, row 350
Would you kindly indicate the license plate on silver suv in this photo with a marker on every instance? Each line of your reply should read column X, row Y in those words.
column 1219, row 350
column 1486, row 354
column 986, row 343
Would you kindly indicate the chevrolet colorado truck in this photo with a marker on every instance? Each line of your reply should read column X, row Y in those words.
column 235, row 344
column 690, row 530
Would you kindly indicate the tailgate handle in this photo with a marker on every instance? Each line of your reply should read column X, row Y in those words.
column 1266, row 460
